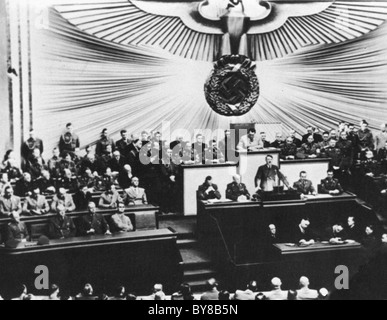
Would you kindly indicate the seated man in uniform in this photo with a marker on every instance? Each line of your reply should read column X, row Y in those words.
column 267, row 176
column 331, row 185
column 36, row 204
column 335, row 234
column 213, row 154
column 93, row 223
column 304, row 186
column 135, row 195
column 63, row 198
column 9, row 203
column 308, row 150
column 17, row 230
column 353, row 231
column 62, row 226
column 208, row 190
column 288, row 149
column 303, row 235
column 121, row 222
column 237, row 191
column 250, row 142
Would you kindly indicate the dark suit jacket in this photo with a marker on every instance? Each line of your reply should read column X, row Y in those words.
column 117, row 166
column 330, row 185
column 316, row 136
column 212, row 195
column 264, row 173
column 329, row 234
column 234, row 191
column 354, row 234
column 96, row 222
column 82, row 200
column 298, row 235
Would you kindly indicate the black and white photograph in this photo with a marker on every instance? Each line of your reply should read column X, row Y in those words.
column 213, row 151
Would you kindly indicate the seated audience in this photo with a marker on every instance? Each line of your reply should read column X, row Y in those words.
column 24, row 186
column 303, row 234
column 121, row 222
column 35, row 164
column 67, row 163
column 296, row 141
column 335, row 234
column 208, row 190
column 323, row 145
column 82, row 198
column 237, row 191
column 369, row 239
column 304, row 293
column 61, row 226
column 36, row 204
column 250, row 142
column 125, row 177
column 9, row 203
column 45, row 183
column 330, row 185
column 4, row 182
column 16, row 229
column 30, row 145
column 308, row 150
column 120, row 294
column 184, row 293
column 249, row 294
column 117, row 163
column 277, row 294
column 63, row 198
column 10, row 166
column 212, row 293
column 272, row 236
column 288, row 149
column 90, row 162
column 157, row 294
column 353, row 231
column 278, row 141
column 69, row 142
column 213, row 154
column 370, row 167
column 87, row 293
column 317, row 138
column 224, row 296
column 135, row 195
column 266, row 144
column 93, row 223
column 53, row 163
column 109, row 198
column 304, row 186
column 68, row 181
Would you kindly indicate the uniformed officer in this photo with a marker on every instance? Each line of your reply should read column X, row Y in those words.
column 62, row 226
column 288, row 149
column 93, row 223
column 346, row 150
column 308, row 149
column 331, row 185
column 334, row 153
column 370, row 166
column 237, row 191
column 304, row 186
column 17, row 230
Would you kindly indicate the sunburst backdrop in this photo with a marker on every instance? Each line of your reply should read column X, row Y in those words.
column 96, row 84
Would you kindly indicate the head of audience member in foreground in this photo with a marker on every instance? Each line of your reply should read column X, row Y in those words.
column 292, row 295
column 252, row 286
column 260, row 297
column 276, row 283
column 304, row 282
column 87, row 290
column 323, row 294
column 384, row 238
column 212, row 284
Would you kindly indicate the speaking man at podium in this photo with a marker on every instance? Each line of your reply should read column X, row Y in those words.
column 269, row 176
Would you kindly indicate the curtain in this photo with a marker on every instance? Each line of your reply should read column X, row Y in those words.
column 97, row 84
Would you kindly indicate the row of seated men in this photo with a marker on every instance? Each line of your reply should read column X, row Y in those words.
column 37, row 204
column 213, row 293
column 63, row 227
column 237, row 191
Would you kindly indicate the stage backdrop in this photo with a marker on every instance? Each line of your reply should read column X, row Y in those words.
column 96, row 84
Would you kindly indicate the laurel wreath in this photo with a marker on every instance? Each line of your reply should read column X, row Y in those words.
column 223, row 69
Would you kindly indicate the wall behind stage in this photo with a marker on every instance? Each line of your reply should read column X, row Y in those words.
column 5, row 139
column 96, row 84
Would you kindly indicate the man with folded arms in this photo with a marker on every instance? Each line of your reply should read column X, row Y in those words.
column 120, row 221
column 36, row 204
column 93, row 223
column 10, row 204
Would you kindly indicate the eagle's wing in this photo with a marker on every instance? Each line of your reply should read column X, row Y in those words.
column 293, row 26
column 176, row 27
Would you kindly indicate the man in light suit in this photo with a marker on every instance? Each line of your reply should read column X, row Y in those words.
column 267, row 175
column 250, row 142
column 36, row 204
column 305, row 293
column 304, row 186
column 277, row 294
column 135, row 195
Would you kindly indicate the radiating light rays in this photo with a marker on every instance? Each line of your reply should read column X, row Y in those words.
column 95, row 84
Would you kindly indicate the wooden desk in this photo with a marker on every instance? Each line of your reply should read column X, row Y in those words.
column 138, row 259
column 195, row 175
column 285, row 249
column 249, row 163
column 315, row 168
